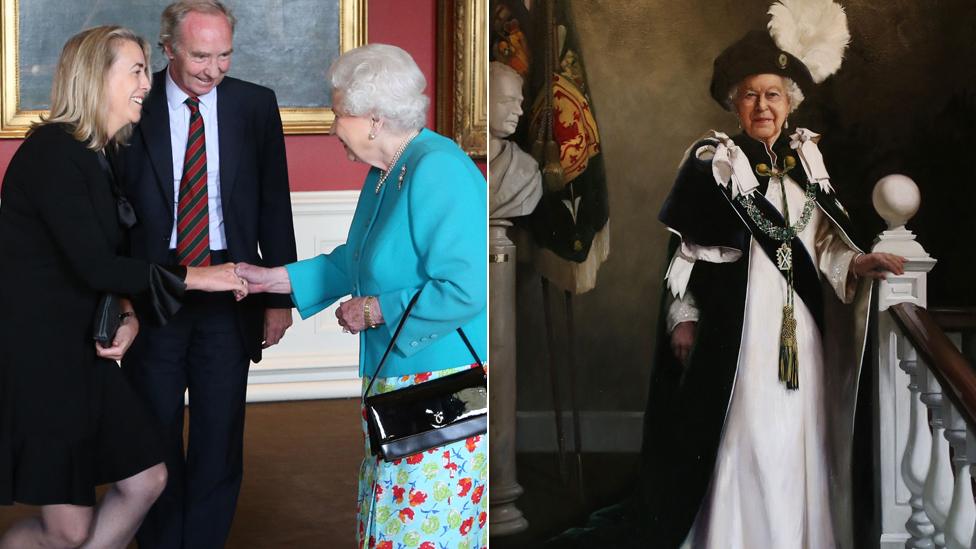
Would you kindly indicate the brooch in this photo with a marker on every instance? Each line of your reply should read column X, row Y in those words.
column 765, row 171
column 403, row 173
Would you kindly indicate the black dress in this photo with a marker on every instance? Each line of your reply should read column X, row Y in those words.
column 68, row 419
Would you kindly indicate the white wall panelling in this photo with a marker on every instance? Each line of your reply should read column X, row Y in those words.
column 314, row 359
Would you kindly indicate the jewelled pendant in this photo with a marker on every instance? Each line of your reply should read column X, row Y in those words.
column 784, row 257
column 403, row 173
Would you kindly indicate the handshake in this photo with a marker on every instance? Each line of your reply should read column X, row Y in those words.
column 216, row 278
column 355, row 315
column 240, row 278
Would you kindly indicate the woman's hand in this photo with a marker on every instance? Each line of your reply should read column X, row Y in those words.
column 264, row 280
column 682, row 339
column 124, row 337
column 216, row 278
column 352, row 314
column 877, row 265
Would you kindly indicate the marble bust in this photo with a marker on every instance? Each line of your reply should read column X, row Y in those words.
column 515, row 183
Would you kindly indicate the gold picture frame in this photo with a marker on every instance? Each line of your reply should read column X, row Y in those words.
column 352, row 34
column 15, row 121
column 462, row 73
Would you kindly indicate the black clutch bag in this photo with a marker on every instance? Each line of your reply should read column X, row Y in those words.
column 427, row 415
column 108, row 318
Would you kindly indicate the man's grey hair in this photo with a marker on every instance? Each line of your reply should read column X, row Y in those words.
column 381, row 81
column 175, row 13
column 793, row 93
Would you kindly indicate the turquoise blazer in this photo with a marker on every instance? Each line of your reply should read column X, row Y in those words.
column 429, row 233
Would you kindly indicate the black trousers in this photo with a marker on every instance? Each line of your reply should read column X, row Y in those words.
column 200, row 349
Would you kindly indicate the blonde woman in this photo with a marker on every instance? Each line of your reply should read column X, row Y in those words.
column 68, row 419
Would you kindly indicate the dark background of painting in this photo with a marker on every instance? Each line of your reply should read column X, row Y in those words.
column 904, row 101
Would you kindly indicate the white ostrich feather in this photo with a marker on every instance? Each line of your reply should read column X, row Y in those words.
column 814, row 31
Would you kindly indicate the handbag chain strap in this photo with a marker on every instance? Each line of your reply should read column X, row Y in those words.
column 396, row 334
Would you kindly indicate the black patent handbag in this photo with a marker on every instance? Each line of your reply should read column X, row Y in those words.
column 108, row 318
column 430, row 414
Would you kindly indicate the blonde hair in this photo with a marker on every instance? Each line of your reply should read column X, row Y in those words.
column 78, row 94
column 175, row 13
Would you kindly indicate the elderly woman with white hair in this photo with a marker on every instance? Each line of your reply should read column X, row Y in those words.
column 768, row 315
column 420, row 230
column 749, row 423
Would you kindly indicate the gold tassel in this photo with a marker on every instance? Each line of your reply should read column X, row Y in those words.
column 538, row 150
column 552, row 170
column 788, row 369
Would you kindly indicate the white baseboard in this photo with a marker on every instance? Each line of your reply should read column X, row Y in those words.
column 893, row 541
column 600, row 431
column 302, row 390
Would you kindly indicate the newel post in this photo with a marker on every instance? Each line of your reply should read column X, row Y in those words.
column 903, row 442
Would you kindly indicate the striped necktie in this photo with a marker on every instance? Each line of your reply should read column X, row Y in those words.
column 193, row 215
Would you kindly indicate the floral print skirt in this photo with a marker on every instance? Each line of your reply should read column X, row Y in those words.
column 436, row 499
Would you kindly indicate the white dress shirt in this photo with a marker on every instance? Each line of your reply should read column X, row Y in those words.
column 179, row 128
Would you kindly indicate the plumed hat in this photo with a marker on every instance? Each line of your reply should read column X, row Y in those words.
column 805, row 43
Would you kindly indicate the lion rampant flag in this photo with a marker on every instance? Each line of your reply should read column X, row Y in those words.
column 561, row 131
column 571, row 220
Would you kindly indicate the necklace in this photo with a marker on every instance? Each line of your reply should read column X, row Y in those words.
column 782, row 234
column 788, row 357
column 393, row 161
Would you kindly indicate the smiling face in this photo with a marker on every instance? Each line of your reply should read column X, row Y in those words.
column 126, row 85
column 352, row 131
column 762, row 106
column 200, row 56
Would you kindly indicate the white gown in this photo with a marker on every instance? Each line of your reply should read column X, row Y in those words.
column 769, row 489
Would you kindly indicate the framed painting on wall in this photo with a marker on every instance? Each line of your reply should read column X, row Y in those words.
column 462, row 79
column 286, row 46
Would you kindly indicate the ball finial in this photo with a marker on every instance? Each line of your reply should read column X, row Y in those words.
column 896, row 199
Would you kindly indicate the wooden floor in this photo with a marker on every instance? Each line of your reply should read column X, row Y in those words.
column 301, row 464
column 552, row 505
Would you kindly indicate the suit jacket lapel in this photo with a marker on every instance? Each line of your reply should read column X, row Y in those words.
column 154, row 128
column 231, row 129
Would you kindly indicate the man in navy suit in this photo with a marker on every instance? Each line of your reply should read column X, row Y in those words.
column 206, row 173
